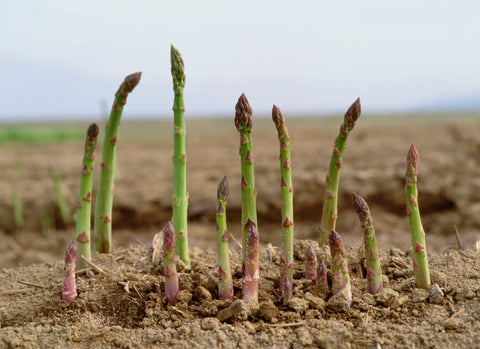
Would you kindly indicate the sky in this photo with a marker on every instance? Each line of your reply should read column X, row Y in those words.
column 64, row 59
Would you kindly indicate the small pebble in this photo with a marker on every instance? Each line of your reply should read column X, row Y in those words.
column 386, row 296
column 338, row 303
column 201, row 294
column 299, row 305
column 436, row 294
column 209, row 323
column 452, row 324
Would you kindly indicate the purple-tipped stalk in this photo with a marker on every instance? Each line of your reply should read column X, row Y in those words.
column 225, row 287
column 374, row 273
column 420, row 260
column 340, row 277
column 311, row 264
column 322, row 274
column 251, row 271
column 170, row 268
column 69, row 291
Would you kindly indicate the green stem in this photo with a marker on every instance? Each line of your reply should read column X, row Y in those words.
column 225, row 287
column 180, row 195
column 340, row 277
column 374, row 273
column 61, row 201
column 329, row 216
column 170, row 268
column 286, row 187
column 420, row 260
column 104, row 202
column 85, row 197
column 243, row 123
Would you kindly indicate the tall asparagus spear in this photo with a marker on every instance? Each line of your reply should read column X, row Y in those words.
column 104, row 202
column 340, row 277
column 329, row 216
column 170, row 268
column 286, row 261
column 85, row 196
column 243, row 123
column 69, row 290
column 225, row 287
column 180, row 195
column 311, row 264
column 374, row 273
column 420, row 260
column 251, row 270
column 61, row 200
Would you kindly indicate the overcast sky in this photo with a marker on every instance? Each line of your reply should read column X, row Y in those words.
column 61, row 58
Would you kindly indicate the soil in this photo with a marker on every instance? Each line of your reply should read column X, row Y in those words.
column 126, row 307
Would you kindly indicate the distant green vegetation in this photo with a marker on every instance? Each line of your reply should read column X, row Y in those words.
column 28, row 133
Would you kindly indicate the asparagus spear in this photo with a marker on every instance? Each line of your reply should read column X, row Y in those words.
column 251, row 270
column 322, row 274
column 170, row 268
column 225, row 287
column 420, row 260
column 311, row 264
column 69, row 291
column 374, row 273
column 329, row 216
column 85, row 196
column 340, row 277
column 243, row 123
column 61, row 200
column 286, row 261
column 180, row 195
column 104, row 203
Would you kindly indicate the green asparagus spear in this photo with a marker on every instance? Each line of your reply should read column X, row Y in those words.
column 104, row 202
column 340, row 277
column 286, row 261
column 225, row 287
column 329, row 216
column 180, row 195
column 61, row 200
column 420, row 260
column 85, row 197
column 243, row 123
column 374, row 273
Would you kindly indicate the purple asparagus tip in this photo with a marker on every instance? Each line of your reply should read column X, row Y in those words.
column 223, row 190
column 311, row 264
column 243, row 113
column 69, row 291
column 353, row 113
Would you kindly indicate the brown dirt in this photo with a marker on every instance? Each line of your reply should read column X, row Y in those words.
column 107, row 315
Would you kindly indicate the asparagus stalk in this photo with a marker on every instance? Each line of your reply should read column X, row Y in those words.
column 329, row 216
column 286, row 261
column 85, row 196
column 170, row 268
column 340, row 277
column 104, row 202
column 61, row 200
column 17, row 202
column 180, row 195
column 69, row 291
column 251, row 270
column 322, row 274
column 311, row 264
column 420, row 260
column 243, row 123
column 225, row 286
column 374, row 273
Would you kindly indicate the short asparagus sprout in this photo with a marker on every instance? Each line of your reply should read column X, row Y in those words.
column 374, row 271
column 286, row 187
column 329, row 216
column 85, row 196
column 225, row 286
column 170, row 268
column 251, row 270
column 104, row 202
column 61, row 200
column 180, row 195
column 322, row 279
column 420, row 260
column 69, row 291
column 340, row 277
column 243, row 123
column 311, row 264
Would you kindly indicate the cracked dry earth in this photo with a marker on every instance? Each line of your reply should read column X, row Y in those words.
column 126, row 307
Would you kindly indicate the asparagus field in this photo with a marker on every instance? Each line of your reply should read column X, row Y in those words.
column 246, row 276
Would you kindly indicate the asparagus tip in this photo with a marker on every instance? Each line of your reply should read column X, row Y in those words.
column 130, row 82
column 169, row 236
column 223, row 190
column 71, row 253
column 412, row 157
column 360, row 205
column 178, row 68
column 353, row 113
column 92, row 134
column 336, row 243
column 278, row 118
column 243, row 113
